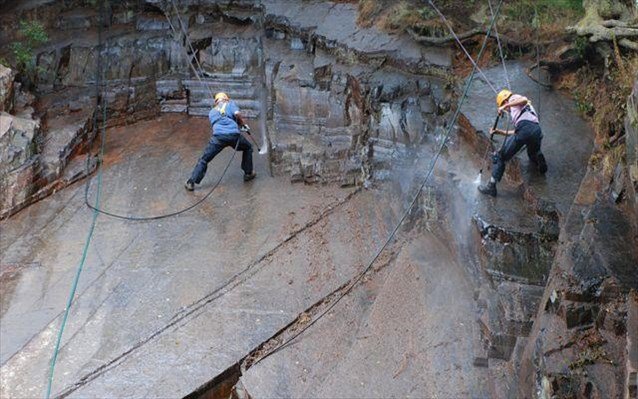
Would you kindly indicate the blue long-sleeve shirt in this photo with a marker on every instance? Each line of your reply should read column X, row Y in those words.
column 222, row 118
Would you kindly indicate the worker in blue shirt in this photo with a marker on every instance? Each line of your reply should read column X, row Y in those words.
column 225, row 120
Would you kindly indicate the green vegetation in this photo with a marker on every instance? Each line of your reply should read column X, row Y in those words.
column 405, row 15
column 601, row 93
column 395, row 16
column 33, row 35
column 549, row 11
column 581, row 44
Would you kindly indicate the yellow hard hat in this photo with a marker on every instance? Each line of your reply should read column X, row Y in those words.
column 502, row 96
column 221, row 96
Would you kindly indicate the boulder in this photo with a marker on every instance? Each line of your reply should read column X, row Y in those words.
column 16, row 141
column 6, row 88
column 18, row 160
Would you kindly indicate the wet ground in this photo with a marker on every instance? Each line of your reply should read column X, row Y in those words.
column 406, row 333
column 164, row 306
column 567, row 142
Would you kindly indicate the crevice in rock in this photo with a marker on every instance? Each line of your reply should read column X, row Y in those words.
column 228, row 383
column 190, row 310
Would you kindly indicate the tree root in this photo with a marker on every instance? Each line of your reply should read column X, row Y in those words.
column 609, row 30
column 628, row 44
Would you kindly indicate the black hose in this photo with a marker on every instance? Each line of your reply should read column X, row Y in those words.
column 167, row 215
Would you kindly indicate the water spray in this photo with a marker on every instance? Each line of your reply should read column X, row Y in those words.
column 246, row 132
column 490, row 147
column 263, row 99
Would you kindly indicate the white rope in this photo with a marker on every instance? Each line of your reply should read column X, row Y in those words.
column 500, row 48
column 447, row 23
column 199, row 66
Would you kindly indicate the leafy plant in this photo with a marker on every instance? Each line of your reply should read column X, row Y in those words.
column 33, row 35
column 581, row 44
column 548, row 10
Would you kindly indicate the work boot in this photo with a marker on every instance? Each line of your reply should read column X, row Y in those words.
column 542, row 164
column 250, row 176
column 489, row 188
column 189, row 186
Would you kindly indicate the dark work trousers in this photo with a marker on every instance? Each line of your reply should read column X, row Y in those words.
column 527, row 133
column 217, row 143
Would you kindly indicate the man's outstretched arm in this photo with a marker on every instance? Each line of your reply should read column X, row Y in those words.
column 240, row 119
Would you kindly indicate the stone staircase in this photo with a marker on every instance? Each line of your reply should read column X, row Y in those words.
column 194, row 96
column 241, row 89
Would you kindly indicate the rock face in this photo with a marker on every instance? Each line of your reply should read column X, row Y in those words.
column 557, row 312
column 6, row 89
column 33, row 154
column 631, row 132
column 332, row 123
column 18, row 158
column 583, row 342
column 17, row 144
column 331, row 105
column 587, row 315
column 554, row 264
column 342, row 99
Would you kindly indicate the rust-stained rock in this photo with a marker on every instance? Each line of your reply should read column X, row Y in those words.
column 17, row 185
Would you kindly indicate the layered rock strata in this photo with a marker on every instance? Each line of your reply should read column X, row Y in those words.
column 330, row 104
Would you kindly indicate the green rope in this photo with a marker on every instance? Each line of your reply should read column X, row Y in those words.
column 73, row 289
column 85, row 250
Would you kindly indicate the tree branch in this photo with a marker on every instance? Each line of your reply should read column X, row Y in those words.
column 442, row 40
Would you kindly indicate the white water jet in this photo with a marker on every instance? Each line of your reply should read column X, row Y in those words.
column 263, row 99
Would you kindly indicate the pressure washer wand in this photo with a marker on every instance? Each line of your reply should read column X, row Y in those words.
column 498, row 116
column 245, row 129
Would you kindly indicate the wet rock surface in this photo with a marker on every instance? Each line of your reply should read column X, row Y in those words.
column 475, row 297
column 521, row 234
column 238, row 294
column 347, row 353
column 329, row 102
column 586, row 319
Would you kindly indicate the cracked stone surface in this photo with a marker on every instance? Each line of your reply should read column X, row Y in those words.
column 166, row 307
column 146, row 299
column 336, row 22
column 400, row 333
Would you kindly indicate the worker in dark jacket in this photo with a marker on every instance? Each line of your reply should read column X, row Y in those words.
column 527, row 132
column 225, row 120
